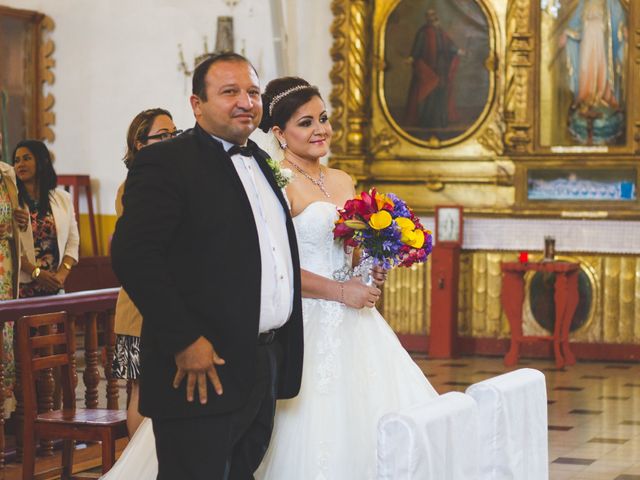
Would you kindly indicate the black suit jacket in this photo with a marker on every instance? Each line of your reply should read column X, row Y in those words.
column 186, row 250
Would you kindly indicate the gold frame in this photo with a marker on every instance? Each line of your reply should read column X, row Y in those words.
column 633, row 127
column 381, row 18
column 365, row 144
column 42, row 118
column 483, row 171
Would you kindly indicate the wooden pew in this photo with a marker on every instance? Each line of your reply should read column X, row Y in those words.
column 90, row 310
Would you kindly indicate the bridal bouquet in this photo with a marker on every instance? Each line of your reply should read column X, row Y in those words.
column 385, row 228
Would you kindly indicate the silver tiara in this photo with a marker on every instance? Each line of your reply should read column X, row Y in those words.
column 281, row 95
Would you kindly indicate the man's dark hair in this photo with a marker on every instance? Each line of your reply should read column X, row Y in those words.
column 199, row 86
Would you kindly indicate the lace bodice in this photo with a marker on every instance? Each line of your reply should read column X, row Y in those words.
column 319, row 253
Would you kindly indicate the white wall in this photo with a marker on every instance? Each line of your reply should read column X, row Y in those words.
column 115, row 58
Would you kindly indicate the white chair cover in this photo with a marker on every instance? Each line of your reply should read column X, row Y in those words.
column 433, row 441
column 513, row 426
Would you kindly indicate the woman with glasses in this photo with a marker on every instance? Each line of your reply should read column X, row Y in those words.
column 149, row 126
column 51, row 240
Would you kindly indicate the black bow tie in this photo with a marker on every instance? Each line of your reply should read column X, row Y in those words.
column 244, row 151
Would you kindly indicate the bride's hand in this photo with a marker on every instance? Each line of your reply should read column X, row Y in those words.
column 379, row 276
column 356, row 294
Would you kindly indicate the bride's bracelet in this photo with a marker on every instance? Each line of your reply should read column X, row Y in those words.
column 341, row 291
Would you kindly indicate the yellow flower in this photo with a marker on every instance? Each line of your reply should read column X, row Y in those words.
column 355, row 224
column 405, row 224
column 380, row 220
column 413, row 238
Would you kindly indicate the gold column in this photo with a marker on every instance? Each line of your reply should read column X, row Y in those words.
column 636, row 326
column 407, row 304
column 351, row 79
column 611, row 304
column 627, row 297
column 519, row 79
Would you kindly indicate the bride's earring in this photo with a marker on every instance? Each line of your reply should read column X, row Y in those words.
column 283, row 146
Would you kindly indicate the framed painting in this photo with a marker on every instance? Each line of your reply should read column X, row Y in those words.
column 584, row 72
column 437, row 83
column 449, row 224
column 25, row 112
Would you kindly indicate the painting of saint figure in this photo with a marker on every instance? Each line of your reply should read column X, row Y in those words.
column 436, row 83
column 587, row 61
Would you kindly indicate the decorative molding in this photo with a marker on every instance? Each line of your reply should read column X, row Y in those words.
column 492, row 138
column 338, row 74
column 519, row 63
column 383, row 141
column 46, row 116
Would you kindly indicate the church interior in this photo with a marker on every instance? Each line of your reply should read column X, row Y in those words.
column 511, row 127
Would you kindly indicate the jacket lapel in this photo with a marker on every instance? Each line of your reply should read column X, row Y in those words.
column 261, row 159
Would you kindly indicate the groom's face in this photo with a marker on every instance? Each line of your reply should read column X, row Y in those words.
column 233, row 106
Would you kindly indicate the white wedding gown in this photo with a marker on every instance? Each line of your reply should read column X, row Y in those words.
column 354, row 371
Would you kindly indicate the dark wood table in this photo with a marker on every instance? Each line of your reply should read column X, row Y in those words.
column 566, row 301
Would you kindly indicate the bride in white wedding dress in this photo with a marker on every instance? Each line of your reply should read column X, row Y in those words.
column 355, row 369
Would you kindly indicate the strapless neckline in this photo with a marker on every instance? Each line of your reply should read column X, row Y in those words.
column 315, row 203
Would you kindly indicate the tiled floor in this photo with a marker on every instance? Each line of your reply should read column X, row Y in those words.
column 594, row 412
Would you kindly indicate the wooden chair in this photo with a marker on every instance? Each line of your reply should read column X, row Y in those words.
column 40, row 347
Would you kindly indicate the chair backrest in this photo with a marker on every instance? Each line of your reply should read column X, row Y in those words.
column 513, row 426
column 46, row 341
column 436, row 439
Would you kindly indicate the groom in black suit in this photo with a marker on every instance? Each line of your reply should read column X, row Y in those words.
column 207, row 251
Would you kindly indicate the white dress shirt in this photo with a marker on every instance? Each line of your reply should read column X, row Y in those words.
column 276, row 286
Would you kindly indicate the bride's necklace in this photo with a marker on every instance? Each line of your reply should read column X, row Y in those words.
column 319, row 182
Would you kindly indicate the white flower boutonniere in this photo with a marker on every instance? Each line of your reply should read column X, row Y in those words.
column 283, row 175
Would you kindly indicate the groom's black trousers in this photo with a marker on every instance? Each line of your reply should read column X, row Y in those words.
column 222, row 447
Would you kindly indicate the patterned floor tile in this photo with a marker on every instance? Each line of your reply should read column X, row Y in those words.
column 616, row 441
column 574, row 461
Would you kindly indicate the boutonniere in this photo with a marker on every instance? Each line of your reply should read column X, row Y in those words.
column 283, row 175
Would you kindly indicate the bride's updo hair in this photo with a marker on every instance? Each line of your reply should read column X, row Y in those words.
column 282, row 97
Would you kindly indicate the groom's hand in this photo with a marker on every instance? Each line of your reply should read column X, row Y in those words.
column 197, row 362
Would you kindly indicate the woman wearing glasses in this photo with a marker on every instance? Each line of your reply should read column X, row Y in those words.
column 149, row 126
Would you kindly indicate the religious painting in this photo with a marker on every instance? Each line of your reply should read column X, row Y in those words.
column 593, row 185
column 583, row 72
column 437, row 82
column 25, row 66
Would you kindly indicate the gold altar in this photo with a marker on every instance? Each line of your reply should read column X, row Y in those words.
column 510, row 155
